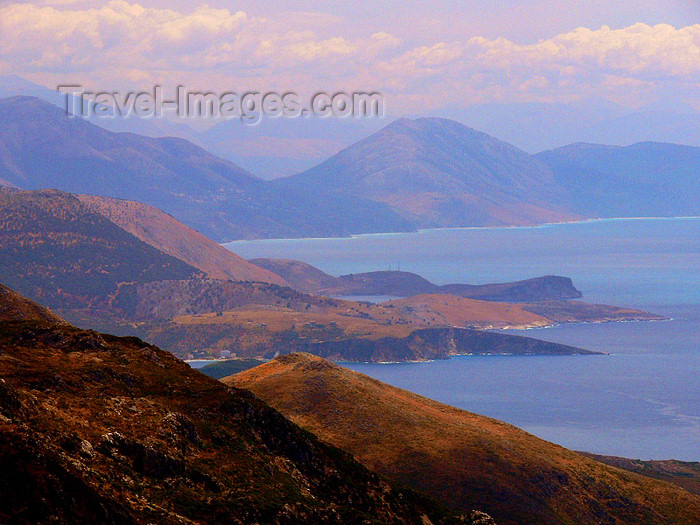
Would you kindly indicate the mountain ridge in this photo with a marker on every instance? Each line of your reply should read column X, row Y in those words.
column 100, row 429
column 422, row 173
column 440, row 173
column 165, row 233
column 41, row 147
column 307, row 278
column 458, row 456
column 645, row 179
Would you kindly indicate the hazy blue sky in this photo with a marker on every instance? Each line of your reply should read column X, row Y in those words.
column 420, row 54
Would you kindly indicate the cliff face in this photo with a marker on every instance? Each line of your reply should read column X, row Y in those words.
column 460, row 457
column 306, row 278
column 100, row 429
column 435, row 343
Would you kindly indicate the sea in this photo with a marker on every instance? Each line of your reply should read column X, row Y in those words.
column 640, row 400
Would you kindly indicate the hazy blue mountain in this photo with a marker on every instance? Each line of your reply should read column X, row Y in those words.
column 645, row 179
column 12, row 86
column 42, row 147
column 538, row 126
column 646, row 126
column 534, row 126
column 277, row 147
column 437, row 172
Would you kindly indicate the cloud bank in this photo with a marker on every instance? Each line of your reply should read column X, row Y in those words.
column 124, row 45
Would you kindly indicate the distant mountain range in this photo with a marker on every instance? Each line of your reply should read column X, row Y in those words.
column 539, row 126
column 13, row 86
column 421, row 173
column 439, row 173
column 277, row 147
column 649, row 179
column 42, row 147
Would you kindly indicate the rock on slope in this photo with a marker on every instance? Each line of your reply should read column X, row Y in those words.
column 459, row 457
column 100, row 429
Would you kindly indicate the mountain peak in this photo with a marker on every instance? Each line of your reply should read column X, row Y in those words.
column 301, row 362
column 440, row 173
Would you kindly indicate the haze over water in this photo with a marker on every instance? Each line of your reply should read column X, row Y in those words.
column 642, row 401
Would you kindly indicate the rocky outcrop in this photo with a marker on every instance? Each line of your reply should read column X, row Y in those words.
column 546, row 288
column 100, row 429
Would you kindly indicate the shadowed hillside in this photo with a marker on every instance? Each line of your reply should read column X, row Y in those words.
column 461, row 457
column 100, row 429
column 41, row 147
column 56, row 251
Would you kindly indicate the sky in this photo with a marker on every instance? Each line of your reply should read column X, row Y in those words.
column 420, row 55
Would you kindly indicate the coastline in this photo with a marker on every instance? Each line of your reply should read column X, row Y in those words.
column 451, row 228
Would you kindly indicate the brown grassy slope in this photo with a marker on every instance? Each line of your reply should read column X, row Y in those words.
column 100, row 429
column 457, row 456
column 458, row 311
column 685, row 474
column 169, row 235
column 300, row 275
column 267, row 325
column 343, row 330
column 14, row 307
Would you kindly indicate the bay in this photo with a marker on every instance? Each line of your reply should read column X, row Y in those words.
column 642, row 400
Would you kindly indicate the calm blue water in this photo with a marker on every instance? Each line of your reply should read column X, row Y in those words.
column 642, row 401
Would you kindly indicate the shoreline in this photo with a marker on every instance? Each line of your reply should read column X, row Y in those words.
column 450, row 228
column 493, row 330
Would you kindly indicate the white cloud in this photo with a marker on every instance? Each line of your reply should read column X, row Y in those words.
column 122, row 41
